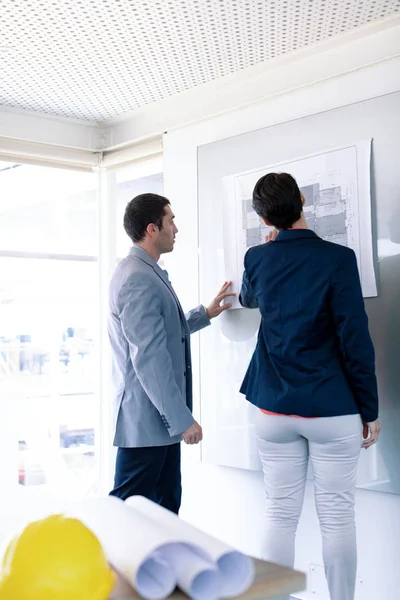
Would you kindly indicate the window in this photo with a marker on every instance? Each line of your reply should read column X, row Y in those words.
column 49, row 326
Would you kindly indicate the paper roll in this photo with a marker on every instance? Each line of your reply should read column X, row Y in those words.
column 130, row 541
column 197, row 577
column 155, row 580
column 236, row 570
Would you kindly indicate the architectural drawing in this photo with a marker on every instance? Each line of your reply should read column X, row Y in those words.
column 336, row 188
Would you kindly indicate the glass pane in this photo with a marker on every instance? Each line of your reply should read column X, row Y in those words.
column 126, row 190
column 47, row 210
column 48, row 333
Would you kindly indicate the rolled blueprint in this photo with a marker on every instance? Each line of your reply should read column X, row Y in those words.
column 196, row 576
column 151, row 557
column 130, row 542
column 236, row 570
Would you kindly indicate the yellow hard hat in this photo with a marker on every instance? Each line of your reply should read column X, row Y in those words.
column 56, row 558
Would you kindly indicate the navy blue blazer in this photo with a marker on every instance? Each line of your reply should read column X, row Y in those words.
column 314, row 355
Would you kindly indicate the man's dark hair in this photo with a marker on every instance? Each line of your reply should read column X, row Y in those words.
column 141, row 212
column 277, row 199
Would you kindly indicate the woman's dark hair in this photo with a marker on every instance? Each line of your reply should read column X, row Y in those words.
column 141, row 212
column 277, row 199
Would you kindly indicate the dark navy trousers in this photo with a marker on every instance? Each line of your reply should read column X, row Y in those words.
column 154, row 473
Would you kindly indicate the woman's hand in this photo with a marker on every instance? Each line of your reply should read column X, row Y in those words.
column 272, row 235
column 370, row 433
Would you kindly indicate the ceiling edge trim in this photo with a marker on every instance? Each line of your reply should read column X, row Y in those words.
column 303, row 69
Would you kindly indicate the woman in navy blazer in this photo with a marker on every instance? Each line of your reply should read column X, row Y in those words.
column 312, row 375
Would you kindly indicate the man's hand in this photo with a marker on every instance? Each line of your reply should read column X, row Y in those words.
column 370, row 433
column 193, row 435
column 215, row 308
column 272, row 235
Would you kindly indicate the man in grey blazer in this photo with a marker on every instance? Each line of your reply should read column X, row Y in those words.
column 150, row 339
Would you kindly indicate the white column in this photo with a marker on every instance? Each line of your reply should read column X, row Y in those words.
column 106, row 264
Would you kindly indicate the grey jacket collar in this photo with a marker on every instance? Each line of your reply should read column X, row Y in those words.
column 142, row 254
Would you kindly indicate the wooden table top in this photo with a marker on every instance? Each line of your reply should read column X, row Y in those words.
column 271, row 583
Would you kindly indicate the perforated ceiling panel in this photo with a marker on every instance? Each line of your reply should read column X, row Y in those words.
column 94, row 59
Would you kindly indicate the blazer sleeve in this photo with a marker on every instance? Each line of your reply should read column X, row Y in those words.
column 351, row 325
column 197, row 319
column 246, row 297
column 144, row 329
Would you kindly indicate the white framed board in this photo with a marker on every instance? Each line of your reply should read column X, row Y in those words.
column 335, row 184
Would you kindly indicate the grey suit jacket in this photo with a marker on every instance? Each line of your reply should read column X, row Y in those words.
column 150, row 339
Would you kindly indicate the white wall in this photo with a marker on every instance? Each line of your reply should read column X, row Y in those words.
column 229, row 502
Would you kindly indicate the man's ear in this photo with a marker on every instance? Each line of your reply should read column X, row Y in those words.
column 151, row 230
column 267, row 223
column 303, row 200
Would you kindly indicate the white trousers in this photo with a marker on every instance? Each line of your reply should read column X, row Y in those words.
column 333, row 445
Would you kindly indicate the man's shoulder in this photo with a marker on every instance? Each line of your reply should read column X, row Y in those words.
column 132, row 266
column 131, row 272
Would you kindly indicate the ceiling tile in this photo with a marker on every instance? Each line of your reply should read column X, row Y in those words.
column 96, row 59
